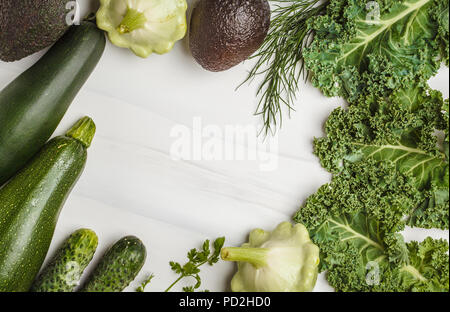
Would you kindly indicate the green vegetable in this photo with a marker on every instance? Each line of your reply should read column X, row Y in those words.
column 355, row 221
column 31, row 201
column 386, row 151
column 348, row 49
column 118, row 267
column 284, row 260
column 63, row 273
column 143, row 26
column 377, row 189
column 374, row 49
column 196, row 258
column 390, row 170
column 32, row 106
column 402, row 129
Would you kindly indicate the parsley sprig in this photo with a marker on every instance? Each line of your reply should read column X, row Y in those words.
column 197, row 258
column 144, row 284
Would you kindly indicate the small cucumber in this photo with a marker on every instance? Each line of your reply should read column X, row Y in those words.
column 119, row 266
column 63, row 273
column 30, row 204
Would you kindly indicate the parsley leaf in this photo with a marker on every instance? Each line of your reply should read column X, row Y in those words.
column 196, row 258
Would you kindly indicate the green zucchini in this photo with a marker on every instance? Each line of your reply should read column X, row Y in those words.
column 32, row 105
column 63, row 273
column 31, row 201
column 118, row 268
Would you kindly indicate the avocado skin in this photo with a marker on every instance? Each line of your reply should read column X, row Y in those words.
column 118, row 268
column 223, row 33
column 28, row 26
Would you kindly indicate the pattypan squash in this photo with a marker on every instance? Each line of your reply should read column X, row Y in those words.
column 144, row 26
column 284, row 260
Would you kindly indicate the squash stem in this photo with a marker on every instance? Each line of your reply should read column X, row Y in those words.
column 255, row 256
column 132, row 20
column 83, row 131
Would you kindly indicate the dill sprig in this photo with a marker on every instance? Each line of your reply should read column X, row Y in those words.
column 280, row 58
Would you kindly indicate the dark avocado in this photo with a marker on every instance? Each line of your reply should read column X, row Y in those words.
column 28, row 26
column 223, row 33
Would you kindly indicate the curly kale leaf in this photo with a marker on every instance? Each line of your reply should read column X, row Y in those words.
column 425, row 269
column 355, row 229
column 376, row 189
column 376, row 47
column 446, row 131
column 428, row 266
column 400, row 129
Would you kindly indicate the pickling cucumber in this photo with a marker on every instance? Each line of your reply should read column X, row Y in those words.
column 118, row 267
column 63, row 273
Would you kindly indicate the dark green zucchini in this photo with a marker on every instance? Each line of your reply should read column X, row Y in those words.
column 63, row 272
column 32, row 105
column 118, row 268
column 31, row 201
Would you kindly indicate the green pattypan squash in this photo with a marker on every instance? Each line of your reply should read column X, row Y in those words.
column 144, row 26
column 284, row 260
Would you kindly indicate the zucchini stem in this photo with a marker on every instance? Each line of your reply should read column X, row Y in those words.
column 255, row 256
column 132, row 20
column 83, row 131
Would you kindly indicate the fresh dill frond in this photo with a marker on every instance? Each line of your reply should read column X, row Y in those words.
column 280, row 59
